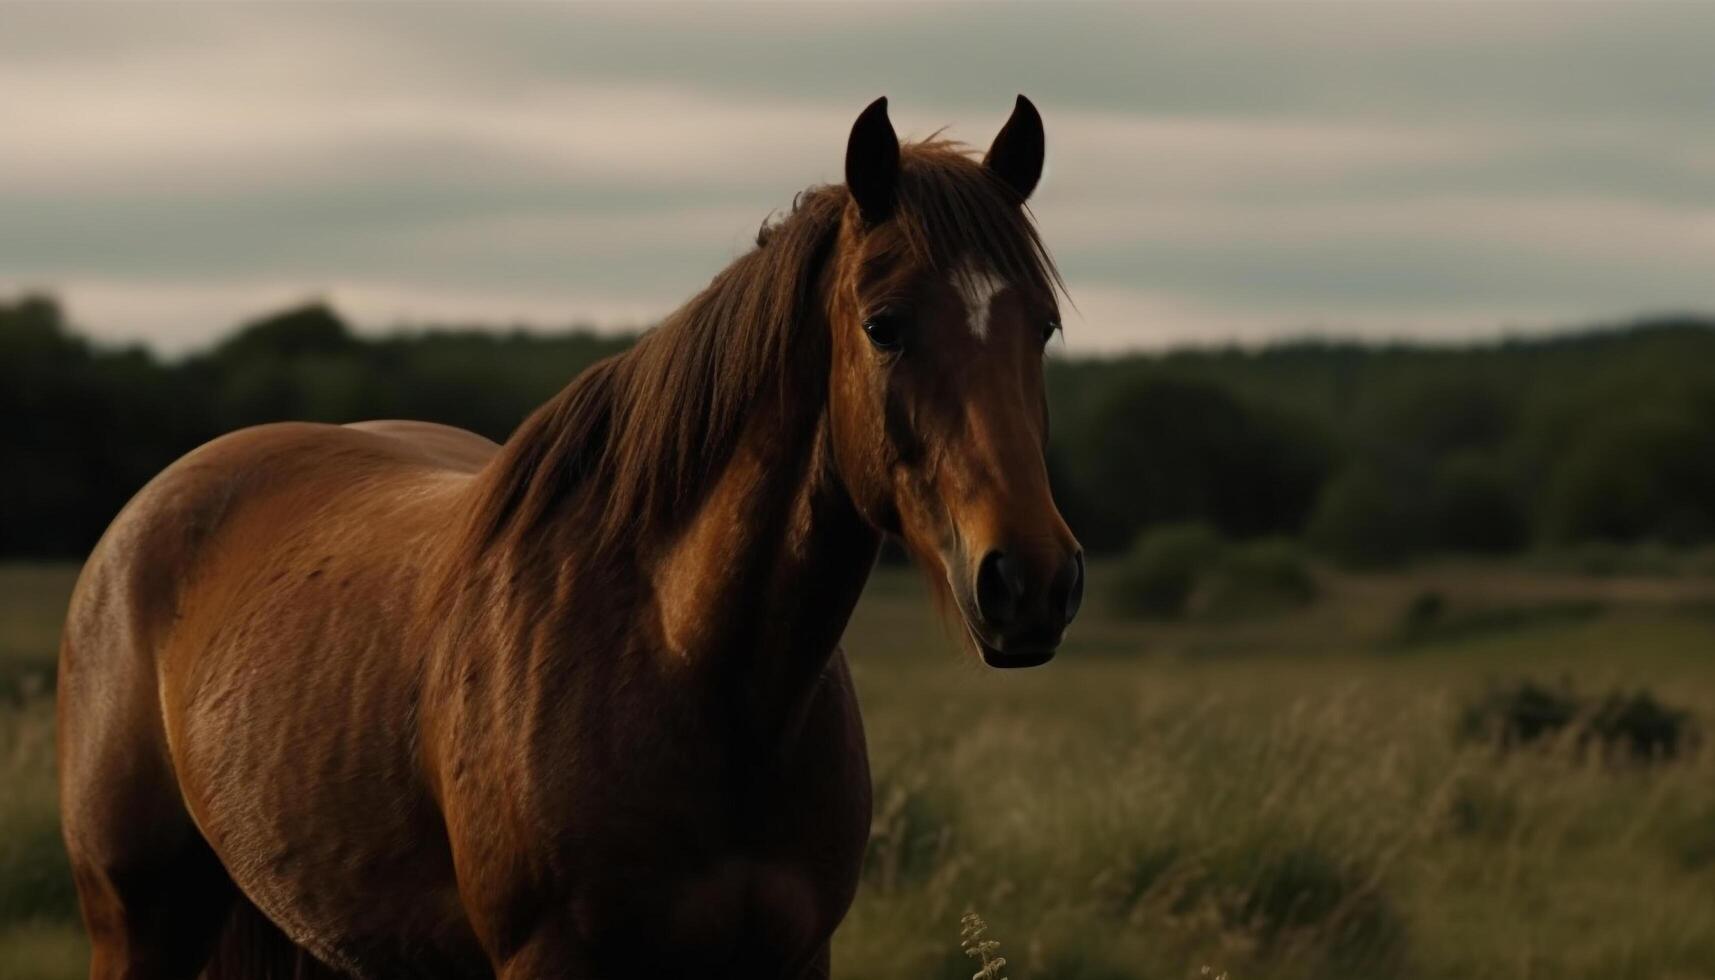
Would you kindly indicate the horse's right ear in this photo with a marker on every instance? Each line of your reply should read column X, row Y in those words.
column 872, row 163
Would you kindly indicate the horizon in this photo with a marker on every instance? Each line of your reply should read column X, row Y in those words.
column 1058, row 349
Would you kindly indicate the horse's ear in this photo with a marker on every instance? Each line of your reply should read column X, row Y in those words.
column 1016, row 156
column 872, row 162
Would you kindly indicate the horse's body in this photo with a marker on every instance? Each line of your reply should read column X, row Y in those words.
column 264, row 613
column 571, row 707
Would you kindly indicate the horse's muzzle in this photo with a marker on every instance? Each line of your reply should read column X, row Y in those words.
column 1017, row 611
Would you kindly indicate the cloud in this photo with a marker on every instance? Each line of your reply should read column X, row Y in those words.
column 1221, row 171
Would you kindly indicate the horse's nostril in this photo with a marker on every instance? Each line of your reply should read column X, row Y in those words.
column 998, row 589
column 1075, row 591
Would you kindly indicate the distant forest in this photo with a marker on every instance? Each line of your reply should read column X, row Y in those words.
column 1370, row 454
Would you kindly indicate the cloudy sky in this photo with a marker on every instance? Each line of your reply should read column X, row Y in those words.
column 1217, row 172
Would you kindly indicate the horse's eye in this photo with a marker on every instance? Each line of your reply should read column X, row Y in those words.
column 1049, row 326
column 886, row 330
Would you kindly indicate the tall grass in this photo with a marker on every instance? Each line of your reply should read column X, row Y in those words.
column 1314, row 816
column 37, row 903
column 1279, row 800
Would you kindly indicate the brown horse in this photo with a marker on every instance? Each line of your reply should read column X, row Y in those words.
column 392, row 701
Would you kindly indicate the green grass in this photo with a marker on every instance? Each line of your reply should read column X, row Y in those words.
column 1277, row 798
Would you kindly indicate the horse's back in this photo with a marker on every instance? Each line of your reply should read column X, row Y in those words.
column 248, row 492
column 233, row 577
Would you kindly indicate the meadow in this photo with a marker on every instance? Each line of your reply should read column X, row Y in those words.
column 1282, row 796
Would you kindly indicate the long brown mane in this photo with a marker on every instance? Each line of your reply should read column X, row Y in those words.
column 652, row 425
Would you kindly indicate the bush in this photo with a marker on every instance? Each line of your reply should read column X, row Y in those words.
column 1640, row 726
column 1525, row 713
column 1185, row 569
column 1256, row 579
column 1634, row 725
column 1363, row 520
column 1157, row 577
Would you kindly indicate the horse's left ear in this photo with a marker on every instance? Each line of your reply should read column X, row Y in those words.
column 1016, row 155
column 872, row 163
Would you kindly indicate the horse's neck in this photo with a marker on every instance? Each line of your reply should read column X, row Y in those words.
column 757, row 586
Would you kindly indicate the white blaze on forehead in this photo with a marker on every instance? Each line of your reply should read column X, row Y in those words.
column 977, row 285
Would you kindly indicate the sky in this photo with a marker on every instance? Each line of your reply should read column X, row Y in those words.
column 1217, row 172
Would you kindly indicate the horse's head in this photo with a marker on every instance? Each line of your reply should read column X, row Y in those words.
column 941, row 302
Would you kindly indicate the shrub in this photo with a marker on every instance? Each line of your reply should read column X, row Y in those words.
column 1256, row 579
column 1185, row 569
column 1640, row 726
column 1363, row 520
column 1635, row 725
column 1157, row 577
column 1521, row 714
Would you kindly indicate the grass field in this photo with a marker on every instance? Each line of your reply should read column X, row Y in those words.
column 1276, row 798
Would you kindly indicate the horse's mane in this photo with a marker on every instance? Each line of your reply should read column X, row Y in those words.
column 654, row 424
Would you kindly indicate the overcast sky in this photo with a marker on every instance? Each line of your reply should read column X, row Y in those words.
column 1217, row 172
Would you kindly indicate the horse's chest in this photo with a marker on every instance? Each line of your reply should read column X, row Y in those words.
column 696, row 877
column 673, row 840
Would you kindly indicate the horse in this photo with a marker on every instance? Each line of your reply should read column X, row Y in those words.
column 390, row 700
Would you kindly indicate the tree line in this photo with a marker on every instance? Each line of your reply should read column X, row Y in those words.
column 1370, row 454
